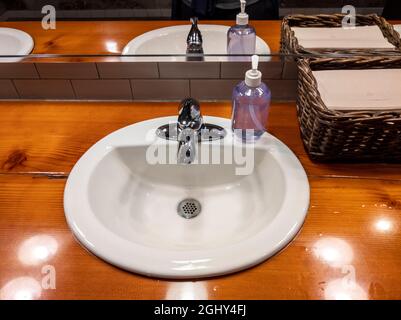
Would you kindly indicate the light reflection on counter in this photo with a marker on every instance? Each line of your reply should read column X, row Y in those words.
column 23, row 288
column 37, row 250
column 341, row 289
column 187, row 291
column 333, row 251
column 112, row 47
column 338, row 254
column 383, row 225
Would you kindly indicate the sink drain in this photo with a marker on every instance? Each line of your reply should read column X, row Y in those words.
column 189, row 208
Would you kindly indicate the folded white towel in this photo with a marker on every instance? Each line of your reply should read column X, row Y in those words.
column 347, row 90
column 341, row 38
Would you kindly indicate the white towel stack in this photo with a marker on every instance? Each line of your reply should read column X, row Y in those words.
column 341, row 38
column 349, row 90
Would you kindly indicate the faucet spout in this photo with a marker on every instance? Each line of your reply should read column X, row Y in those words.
column 187, row 141
column 194, row 39
column 189, row 125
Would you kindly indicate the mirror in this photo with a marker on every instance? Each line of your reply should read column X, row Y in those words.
column 155, row 27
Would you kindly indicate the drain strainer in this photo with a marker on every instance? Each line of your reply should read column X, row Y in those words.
column 189, row 208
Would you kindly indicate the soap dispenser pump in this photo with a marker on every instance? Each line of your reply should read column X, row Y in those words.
column 241, row 38
column 250, row 105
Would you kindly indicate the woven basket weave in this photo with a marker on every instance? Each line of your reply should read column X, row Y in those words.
column 346, row 136
column 290, row 45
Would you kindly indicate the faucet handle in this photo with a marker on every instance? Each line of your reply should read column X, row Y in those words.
column 194, row 21
column 189, row 115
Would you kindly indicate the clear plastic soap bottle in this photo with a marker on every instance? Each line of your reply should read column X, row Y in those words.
column 251, row 104
column 241, row 38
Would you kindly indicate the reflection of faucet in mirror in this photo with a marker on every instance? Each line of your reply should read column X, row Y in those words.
column 194, row 39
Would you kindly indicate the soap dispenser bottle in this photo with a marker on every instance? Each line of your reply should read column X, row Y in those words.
column 250, row 105
column 241, row 38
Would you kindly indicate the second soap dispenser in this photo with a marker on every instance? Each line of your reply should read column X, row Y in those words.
column 250, row 105
column 241, row 38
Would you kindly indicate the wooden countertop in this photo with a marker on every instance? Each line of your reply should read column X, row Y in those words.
column 110, row 37
column 353, row 225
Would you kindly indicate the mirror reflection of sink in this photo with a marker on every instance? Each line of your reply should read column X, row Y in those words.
column 172, row 40
column 129, row 209
column 14, row 42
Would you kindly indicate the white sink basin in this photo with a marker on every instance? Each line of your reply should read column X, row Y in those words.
column 14, row 42
column 172, row 40
column 124, row 209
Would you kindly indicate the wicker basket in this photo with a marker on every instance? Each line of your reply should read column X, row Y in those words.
column 346, row 136
column 290, row 45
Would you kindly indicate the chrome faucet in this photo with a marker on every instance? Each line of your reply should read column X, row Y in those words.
column 189, row 131
column 189, row 125
column 194, row 39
